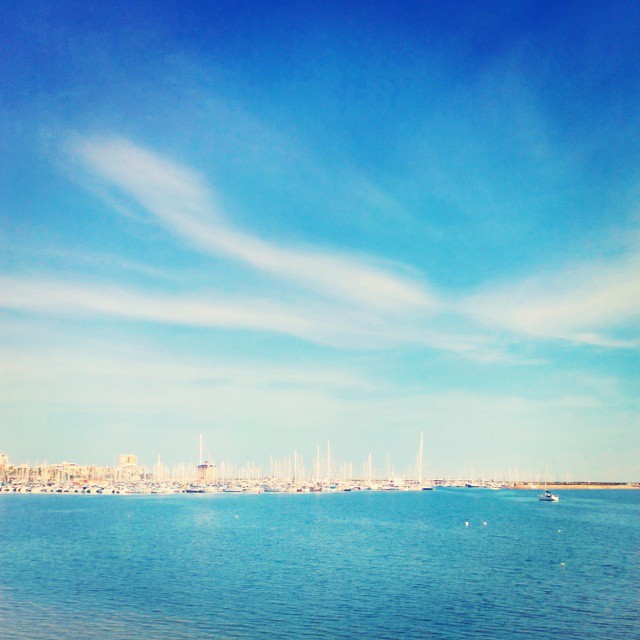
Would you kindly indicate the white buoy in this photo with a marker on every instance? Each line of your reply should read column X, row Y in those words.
column 466, row 524
column 562, row 564
column 236, row 517
column 484, row 524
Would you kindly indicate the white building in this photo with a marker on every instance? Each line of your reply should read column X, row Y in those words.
column 128, row 469
column 127, row 459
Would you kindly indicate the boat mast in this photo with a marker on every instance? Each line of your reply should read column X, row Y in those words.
column 420, row 459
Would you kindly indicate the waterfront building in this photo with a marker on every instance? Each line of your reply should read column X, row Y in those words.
column 4, row 467
column 206, row 472
column 65, row 472
column 128, row 469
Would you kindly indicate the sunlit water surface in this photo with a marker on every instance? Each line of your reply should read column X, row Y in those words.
column 348, row 565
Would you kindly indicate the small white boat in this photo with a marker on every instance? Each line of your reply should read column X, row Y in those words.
column 547, row 496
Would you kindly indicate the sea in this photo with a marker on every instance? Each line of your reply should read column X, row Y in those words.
column 362, row 565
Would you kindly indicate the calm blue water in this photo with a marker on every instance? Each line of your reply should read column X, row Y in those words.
column 354, row 565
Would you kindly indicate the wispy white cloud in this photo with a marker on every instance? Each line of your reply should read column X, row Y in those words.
column 583, row 303
column 62, row 298
column 184, row 204
column 313, row 321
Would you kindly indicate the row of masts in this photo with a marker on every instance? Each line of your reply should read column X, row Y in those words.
column 323, row 468
column 290, row 469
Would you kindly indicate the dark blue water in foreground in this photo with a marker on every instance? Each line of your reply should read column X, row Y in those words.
column 354, row 565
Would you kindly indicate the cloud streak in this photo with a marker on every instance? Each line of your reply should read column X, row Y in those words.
column 66, row 299
column 577, row 303
column 318, row 322
column 181, row 201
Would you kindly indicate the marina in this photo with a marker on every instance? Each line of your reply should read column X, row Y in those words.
column 275, row 485
column 286, row 476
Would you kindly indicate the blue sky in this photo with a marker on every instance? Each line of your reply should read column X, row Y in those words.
column 282, row 223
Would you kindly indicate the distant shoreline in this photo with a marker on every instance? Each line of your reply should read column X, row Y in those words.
column 579, row 485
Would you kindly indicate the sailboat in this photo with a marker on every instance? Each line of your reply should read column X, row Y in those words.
column 547, row 496
column 424, row 487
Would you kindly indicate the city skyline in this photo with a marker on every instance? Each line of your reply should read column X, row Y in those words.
column 285, row 225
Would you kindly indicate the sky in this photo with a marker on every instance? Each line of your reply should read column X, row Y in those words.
column 282, row 223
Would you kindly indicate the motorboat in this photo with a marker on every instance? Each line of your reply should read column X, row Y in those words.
column 194, row 489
